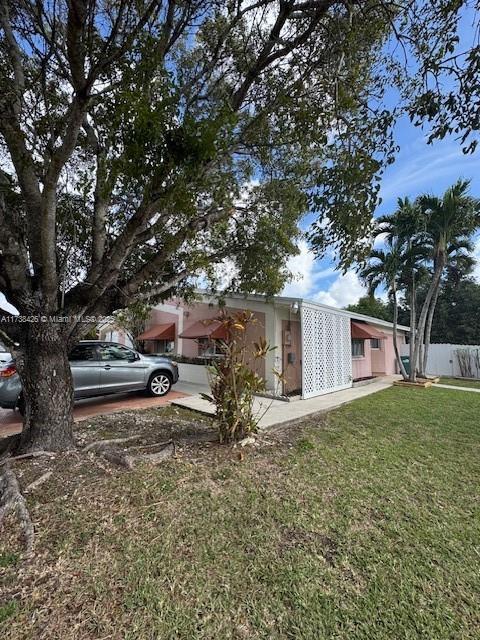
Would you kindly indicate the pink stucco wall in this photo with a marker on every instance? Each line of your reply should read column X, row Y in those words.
column 378, row 361
column 204, row 311
column 362, row 366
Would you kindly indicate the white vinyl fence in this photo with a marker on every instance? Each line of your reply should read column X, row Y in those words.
column 444, row 360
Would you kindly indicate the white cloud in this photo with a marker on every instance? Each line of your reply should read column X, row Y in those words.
column 6, row 306
column 345, row 289
column 426, row 168
column 305, row 274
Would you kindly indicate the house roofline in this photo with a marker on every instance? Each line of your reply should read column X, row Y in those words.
column 304, row 301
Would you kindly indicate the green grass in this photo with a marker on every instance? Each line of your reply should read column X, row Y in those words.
column 367, row 528
column 455, row 382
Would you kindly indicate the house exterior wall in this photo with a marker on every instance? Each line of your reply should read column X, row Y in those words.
column 378, row 361
column 185, row 316
column 390, row 359
column 362, row 365
column 277, row 316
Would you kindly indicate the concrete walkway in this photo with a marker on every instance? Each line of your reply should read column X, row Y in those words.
column 274, row 412
column 455, row 388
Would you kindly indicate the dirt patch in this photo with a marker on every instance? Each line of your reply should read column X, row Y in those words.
column 294, row 538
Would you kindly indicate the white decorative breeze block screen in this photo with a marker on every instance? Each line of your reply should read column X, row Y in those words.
column 327, row 352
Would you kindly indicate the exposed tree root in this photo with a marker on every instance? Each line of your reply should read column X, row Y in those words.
column 11, row 498
column 110, row 450
column 39, row 481
column 94, row 446
column 112, row 453
column 159, row 456
column 32, row 454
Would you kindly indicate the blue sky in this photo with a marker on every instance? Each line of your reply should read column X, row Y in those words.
column 419, row 168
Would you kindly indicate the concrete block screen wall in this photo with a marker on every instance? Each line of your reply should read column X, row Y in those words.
column 327, row 351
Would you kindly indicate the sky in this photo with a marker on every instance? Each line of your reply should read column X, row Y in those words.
column 419, row 168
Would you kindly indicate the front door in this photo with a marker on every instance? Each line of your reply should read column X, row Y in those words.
column 292, row 353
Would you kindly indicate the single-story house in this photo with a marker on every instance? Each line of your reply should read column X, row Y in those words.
column 319, row 349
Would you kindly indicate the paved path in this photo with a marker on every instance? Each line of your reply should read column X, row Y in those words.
column 11, row 421
column 275, row 412
column 456, row 388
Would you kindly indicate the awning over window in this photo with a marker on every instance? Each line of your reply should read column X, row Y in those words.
column 159, row 332
column 213, row 329
column 364, row 331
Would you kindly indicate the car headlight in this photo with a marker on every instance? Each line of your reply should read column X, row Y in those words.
column 175, row 364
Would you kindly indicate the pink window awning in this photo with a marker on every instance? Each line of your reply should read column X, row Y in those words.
column 365, row 331
column 213, row 329
column 159, row 332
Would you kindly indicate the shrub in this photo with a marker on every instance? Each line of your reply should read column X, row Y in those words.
column 233, row 379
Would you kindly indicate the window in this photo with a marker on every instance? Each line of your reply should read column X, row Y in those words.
column 375, row 343
column 358, row 348
column 208, row 347
column 164, row 346
column 116, row 352
column 83, row 352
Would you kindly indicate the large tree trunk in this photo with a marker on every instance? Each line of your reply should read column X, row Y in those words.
column 395, row 342
column 428, row 332
column 413, row 325
column 42, row 362
column 420, row 334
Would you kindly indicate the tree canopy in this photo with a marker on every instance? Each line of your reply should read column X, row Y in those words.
column 144, row 143
column 427, row 241
column 374, row 307
column 148, row 142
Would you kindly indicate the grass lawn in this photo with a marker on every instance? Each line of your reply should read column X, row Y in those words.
column 362, row 526
column 455, row 382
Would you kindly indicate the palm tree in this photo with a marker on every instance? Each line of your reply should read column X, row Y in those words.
column 406, row 228
column 450, row 222
column 385, row 268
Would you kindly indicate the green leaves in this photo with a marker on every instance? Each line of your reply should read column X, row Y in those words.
column 234, row 377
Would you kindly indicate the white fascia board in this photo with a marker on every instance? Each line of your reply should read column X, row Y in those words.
column 281, row 300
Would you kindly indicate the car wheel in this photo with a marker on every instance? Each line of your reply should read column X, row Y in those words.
column 159, row 384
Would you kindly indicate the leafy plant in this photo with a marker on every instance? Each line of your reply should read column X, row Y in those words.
column 234, row 380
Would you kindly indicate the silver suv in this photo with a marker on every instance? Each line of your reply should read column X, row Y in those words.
column 101, row 368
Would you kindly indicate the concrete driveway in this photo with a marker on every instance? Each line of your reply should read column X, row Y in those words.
column 11, row 421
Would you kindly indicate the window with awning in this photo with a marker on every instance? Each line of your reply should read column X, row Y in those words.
column 159, row 332
column 212, row 329
column 365, row 331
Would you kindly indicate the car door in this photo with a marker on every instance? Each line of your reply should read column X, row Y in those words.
column 85, row 366
column 121, row 369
